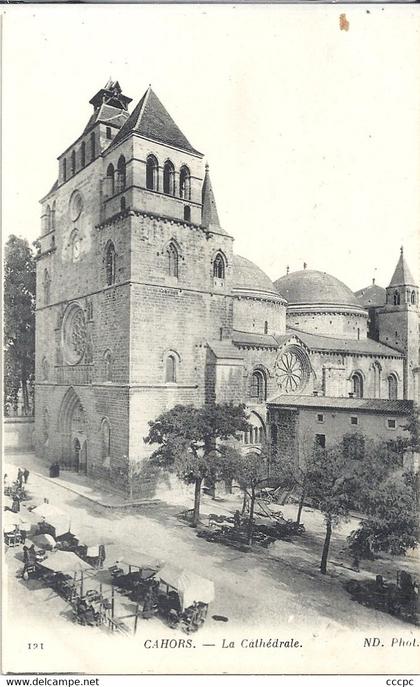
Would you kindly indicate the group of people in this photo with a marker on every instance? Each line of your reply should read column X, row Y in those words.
column 16, row 490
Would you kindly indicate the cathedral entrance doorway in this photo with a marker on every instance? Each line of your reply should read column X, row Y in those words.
column 73, row 430
column 76, row 454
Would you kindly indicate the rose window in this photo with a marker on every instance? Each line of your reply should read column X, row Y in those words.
column 292, row 369
column 74, row 335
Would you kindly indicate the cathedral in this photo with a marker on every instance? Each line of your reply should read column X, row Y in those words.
column 142, row 304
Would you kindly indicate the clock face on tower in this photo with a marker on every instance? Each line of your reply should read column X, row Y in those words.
column 291, row 369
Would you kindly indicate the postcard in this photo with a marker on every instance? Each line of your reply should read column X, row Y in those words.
column 211, row 325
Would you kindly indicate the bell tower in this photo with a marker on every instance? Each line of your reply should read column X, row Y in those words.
column 398, row 323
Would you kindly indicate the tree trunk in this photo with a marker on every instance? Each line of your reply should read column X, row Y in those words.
column 301, row 501
column 251, row 516
column 25, row 397
column 326, row 548
column 244, row 503
column 197, row 495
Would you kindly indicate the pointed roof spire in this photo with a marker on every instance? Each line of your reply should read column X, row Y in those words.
column 402, row 274
column 151, row 120
column 209, row 216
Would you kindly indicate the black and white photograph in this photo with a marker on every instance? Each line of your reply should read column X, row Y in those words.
column 211, row 367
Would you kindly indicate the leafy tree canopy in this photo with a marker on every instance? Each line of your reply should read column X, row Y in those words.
column 19, row 318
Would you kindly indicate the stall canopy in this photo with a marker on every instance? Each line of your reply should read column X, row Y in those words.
column 65, row 562
column 190, row 587
column 54, row 517
column 11, row 520
column 44, row 541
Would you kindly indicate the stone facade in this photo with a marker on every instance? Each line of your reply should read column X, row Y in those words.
column 141, row 304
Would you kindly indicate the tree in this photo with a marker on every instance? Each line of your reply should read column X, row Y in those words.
column 251, row 470
column 19, row 320
column 332, row 483
column 391, row 523
column 189, row 440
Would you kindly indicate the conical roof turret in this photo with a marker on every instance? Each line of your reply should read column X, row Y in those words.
column 209, row 214
column 402, row 275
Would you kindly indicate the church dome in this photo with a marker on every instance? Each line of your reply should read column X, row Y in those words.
column 373, row 296
column 249, row 278
column 310, row 287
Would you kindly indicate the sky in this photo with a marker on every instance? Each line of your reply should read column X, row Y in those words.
column 311, row 132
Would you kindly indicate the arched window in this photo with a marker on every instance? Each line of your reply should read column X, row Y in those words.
column 266, row 327
column 187, row 213
column 122, row 204
column 108, row 366
column 73, row 162
column 45, row 425
column 92, row 146
column 377, row 370
column 48, row 219
column 413, row 298
column 256, row 432
column 185, row 183
column 53, row 217
column 121, row 174
column 172, row 255
column 110, row 178
column 83, row 154
column 170, row 369
column 219, row 267
column 169, row 178
column 45, row 369
column 64, row 169
column 75, row 245
column 396, row 298
column 152, row 173
column 110, row 264
column 258, row 387
column 105, row 438
column 47, row 282
column 357, row 383
column 392, row 387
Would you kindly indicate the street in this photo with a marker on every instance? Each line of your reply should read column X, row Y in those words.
column 279, row 588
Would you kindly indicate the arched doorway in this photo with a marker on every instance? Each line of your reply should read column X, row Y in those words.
column 76, row 454
column 72, row 427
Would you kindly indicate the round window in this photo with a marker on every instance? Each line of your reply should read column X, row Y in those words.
column 74, row 335
column 292, row 369
column 76, row 206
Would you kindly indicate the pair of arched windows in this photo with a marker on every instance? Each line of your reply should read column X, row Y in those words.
column 110, row 260
column 169, row 178
column 73, row 158
column 258, row 386
column 116, row 178
column 397, row 298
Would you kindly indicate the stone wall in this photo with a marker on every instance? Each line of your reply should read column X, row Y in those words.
column 18, row 434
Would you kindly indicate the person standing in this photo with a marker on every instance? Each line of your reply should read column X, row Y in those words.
column 19, row 477
column 25, row 475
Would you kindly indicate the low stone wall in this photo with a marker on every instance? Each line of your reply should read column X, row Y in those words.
column 18, row 434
